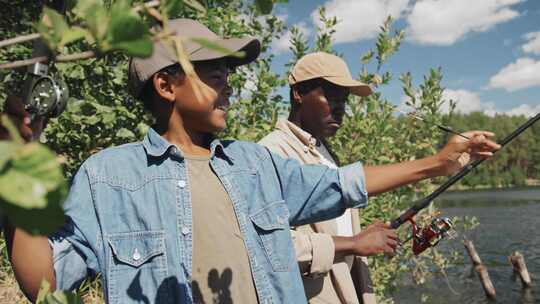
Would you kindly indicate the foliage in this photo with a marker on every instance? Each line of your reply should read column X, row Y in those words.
column 31, row 185
column 45, row 296
column 100, row 114
column 374, row 134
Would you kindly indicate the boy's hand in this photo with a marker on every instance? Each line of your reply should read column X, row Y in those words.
column 29, row 130
column 458, row 152
column 374, row 239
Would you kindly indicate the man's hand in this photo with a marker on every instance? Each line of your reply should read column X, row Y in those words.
column 374, row 239
column 458, row 152
column 29, row 130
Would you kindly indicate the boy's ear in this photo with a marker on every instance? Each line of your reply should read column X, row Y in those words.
column 163, row 85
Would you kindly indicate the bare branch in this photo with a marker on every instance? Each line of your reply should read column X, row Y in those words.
column 21, row 63
column 60, row 58
column 76, row 56
column 19, row 39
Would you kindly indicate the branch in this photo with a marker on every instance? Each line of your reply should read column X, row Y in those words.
column 76, row 56
column 60, row 58
column 21, row 63
column 19, row 39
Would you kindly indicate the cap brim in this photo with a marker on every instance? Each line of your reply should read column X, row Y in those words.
column 250, row 46
column 356, row 87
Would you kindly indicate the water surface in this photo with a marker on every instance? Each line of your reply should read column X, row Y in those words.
column 510, row 221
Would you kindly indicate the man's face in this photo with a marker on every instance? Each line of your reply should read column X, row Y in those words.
column 206, row 114
column 323, row 108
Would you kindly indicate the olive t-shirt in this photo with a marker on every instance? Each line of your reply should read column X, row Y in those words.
column 221, row 269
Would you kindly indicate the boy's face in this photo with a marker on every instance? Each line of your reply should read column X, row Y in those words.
column 207, row 114
column 323, row 109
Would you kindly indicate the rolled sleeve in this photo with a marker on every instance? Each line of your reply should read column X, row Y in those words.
column 314, row 252
column 315, row 193
column 353, row 185
column 69, row 266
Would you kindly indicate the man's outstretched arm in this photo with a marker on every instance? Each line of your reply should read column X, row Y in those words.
column 450, row 159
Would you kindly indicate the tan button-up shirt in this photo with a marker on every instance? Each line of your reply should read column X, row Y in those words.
column 326, row 280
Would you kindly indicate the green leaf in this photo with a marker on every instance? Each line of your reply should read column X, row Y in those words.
column 195, row 5
column 96, row 17
column 32, row 188
column 216, row 47
column 52, row 27
column 264, row 6
column 125, row 134
column 127, row 32
column 367, row 57
column 73, row 34
column 7, row 151
column 57, row 297
column 136, row 48
column 174, row 8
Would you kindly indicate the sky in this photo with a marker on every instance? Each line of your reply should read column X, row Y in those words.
column 488, row 50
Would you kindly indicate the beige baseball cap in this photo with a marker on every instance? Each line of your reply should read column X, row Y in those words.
column 141, row 69
column 329, row 67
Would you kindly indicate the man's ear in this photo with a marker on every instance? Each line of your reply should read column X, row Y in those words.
column 163, row 85
column 296, row 95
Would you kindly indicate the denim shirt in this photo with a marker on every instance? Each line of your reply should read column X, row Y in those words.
column 129, row 218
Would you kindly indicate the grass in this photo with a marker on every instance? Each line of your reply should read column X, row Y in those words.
column 10, row 293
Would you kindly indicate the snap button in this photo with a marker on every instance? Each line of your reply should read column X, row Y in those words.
column 136, row 255
column 185, row 230
column 181, row 183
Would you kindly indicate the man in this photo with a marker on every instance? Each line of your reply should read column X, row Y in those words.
column 184, row 218
column 320, row 85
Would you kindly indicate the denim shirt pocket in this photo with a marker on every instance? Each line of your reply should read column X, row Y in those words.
column 272, row 225
column 138, row 267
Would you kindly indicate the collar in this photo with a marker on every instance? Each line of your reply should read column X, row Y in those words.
column 292, row 129
column 156, row 146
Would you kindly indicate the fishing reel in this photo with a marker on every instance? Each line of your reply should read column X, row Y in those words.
column 45, row 95
column 432, row 234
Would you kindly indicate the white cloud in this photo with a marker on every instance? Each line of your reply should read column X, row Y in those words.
column 358, row 20
column 523, row 73
column 469, row 101
column 443, row 22
column 466, row 102
column 282, row 44
column 533, row 43
column 524, row 109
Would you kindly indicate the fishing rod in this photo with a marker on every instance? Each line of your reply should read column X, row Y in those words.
column 441, row 127
column 439, row 228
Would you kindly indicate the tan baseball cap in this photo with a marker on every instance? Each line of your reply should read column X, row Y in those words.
column 142, row 69
column 329, row 67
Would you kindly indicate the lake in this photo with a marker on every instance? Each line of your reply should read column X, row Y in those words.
column 509, row 221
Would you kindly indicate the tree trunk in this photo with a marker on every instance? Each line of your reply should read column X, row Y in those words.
column 481, row 270
column 520, row 269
